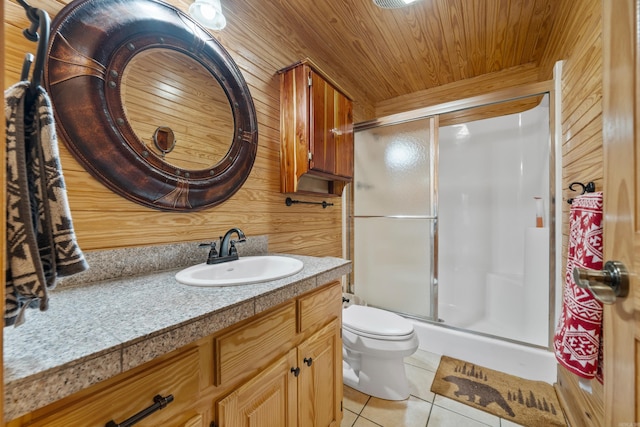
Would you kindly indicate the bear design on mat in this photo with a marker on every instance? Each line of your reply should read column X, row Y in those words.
column 487, row 394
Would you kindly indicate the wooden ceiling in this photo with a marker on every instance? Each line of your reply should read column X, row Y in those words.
column 385, row 53
column 379, row 54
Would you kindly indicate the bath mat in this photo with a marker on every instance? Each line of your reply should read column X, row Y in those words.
column 529, row 403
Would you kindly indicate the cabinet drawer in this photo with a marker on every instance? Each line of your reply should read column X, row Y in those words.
column 319, row 307
column 244, row 350
column 177, row 376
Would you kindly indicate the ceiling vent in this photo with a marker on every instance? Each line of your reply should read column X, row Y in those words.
column 392, row 4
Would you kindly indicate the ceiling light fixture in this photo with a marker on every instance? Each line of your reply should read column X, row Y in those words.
column 392, row 4
column 208, row 13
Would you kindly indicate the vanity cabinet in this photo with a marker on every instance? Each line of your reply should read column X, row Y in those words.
column 303, row 386
column 316, row 128
column 281, row 367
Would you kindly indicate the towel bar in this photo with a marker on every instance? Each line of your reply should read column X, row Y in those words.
column 289, row 201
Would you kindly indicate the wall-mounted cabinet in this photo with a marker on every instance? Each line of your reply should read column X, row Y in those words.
column 316, row 128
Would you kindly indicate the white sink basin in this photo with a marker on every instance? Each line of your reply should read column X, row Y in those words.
column 243, row 271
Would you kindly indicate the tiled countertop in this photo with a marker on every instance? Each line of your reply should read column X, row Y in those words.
column 95, row 331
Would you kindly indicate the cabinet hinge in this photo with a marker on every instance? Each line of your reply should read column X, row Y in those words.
column 341, row 406
column 310, row 80
column 310, row 155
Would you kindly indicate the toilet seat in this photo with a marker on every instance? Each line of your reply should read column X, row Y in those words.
column 375, row 323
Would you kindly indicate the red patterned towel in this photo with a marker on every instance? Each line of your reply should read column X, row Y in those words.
column 577, row 341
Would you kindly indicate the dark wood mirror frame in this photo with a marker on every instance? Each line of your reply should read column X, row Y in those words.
column 91, row 43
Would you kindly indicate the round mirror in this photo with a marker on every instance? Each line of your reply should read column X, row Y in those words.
column 150, row 103
column 191, row 105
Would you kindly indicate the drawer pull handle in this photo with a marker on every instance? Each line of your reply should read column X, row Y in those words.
column 296, row 371
column 159, row 403
column 308, row 361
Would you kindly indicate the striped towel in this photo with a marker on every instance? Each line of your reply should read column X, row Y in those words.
column 578, row 337
column 41, row 244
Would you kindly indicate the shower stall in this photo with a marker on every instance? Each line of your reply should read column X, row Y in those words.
column 453, row 226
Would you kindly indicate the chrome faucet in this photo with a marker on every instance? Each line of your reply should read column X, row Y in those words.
column 228, row 251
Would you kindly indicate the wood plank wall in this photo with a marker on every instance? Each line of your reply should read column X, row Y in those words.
column 578, row 40
column 104, row 220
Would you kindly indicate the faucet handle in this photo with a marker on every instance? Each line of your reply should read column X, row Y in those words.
column 213, row 253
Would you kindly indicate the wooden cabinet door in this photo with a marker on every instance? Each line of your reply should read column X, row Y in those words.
column 343, row 136
column 331, row 129
column 322, row 113
column 267, row 400
column 320, row 380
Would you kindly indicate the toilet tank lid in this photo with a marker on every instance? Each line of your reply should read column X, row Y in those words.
column 375, row 321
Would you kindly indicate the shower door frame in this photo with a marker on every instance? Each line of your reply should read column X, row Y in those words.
column 550, row 88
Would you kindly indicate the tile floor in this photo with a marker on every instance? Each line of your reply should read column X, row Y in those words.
column 422, row 409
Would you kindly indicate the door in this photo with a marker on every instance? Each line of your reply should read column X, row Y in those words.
column 343, row 135
column 320, row 380
column 322, row 114
column 394, row 216
column 267, row 400
column 621, row 131
column 331, row 129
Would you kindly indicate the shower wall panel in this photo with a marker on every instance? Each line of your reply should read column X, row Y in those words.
column 490, row 173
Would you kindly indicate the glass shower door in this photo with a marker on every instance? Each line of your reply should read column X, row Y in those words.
column 394, row 217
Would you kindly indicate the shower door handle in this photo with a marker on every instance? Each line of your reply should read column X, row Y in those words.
column 605, row 285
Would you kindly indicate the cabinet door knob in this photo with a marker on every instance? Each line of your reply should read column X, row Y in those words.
column 308, row 361
column 296, row 371
column 605, row 285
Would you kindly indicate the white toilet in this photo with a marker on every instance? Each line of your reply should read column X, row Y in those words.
column 375, row 343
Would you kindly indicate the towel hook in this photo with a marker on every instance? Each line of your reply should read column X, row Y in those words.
column 589, row 188
column 37, row 32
